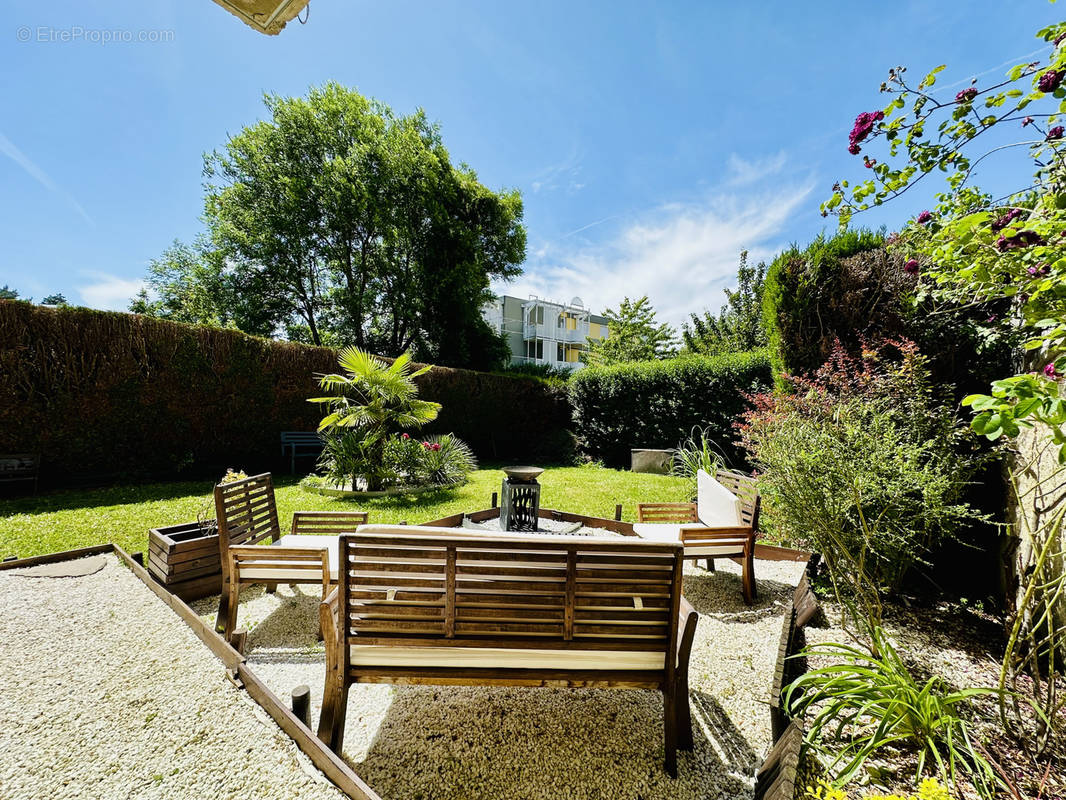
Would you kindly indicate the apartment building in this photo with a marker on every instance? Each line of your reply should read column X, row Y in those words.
column 540, row 331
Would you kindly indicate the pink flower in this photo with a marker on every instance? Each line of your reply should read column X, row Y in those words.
column 1050, row 81
column 1054, row 134
column 870, row 163
column 404, row 436
column 966, row 95
column 1019, row 240
column 924, row 217
column 1050, row 372
column 911, row 267
column 863, row 127
column 1027, row 121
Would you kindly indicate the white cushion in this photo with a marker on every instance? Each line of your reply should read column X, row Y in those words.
column 503, row 658
column 716, row 506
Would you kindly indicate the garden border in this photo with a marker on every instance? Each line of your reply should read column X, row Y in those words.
column 330, row 764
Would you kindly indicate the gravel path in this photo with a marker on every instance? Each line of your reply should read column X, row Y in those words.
column 106, row 693
column 459, row 742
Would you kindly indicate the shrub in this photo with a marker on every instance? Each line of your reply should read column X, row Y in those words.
column 864, row 464
column 115, row 396
column 867, row 700
column 656, row 403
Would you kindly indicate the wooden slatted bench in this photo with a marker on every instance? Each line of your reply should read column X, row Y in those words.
column 509, row 610
column 20, row 467
column 300, row 444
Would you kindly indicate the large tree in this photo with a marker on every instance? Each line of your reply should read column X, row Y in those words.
column 634, row 334
column 738, row 325
column 339, row 221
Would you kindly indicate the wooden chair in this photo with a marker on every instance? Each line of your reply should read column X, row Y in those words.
column 509, row 611
column 247, row 516
column 680, row 522
column 248, row 565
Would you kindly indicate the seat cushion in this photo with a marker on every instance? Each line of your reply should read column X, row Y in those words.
column 666, row 532
column 503, row 658
column 716, row 506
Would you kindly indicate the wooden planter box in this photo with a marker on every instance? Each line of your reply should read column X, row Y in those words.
column 185, row 558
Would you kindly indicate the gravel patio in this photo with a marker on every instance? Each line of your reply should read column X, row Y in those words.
column 108, row 694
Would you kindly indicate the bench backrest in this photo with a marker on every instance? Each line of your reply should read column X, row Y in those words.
column 19, row 465
column 303, row 438
column 746, row 488
column 546, row 592
column 246, row 513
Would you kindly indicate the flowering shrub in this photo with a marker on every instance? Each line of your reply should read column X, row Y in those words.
column 864, row 464
column 438, row 460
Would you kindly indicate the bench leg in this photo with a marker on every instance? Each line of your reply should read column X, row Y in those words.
column 684, row 714
column 231, row 611
column 223, row 607
column 670, row 730
column 334, row 712
column 710, row 565
column 271, row 588
column 748, row 575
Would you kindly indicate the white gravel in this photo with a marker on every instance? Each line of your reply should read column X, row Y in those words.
column 458, row 742
column 106, row 693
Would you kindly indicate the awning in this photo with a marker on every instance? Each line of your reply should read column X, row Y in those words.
column 266, row 16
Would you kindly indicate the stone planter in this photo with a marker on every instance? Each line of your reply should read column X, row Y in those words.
column 185, row 558
column 657, row 462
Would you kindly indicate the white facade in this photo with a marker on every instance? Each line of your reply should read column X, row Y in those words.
column 540, row 331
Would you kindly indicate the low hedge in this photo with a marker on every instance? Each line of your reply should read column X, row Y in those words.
column 105, row 395
column 655, row 404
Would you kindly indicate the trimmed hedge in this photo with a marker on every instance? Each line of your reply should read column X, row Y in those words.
column 104, row 395
column 656, row 404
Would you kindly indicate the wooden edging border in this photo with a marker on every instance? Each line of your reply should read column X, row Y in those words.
column 328, row 762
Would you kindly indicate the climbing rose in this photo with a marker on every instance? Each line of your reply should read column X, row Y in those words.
column 404, row 436
column 911, row 267
column 1049, row 370
column 924, row 217
column 1027, row 121
column 1050, row 80
column 863, row 127
column 1019, row 240
column 869, row 162
column 1054, row 134
column 966, row 95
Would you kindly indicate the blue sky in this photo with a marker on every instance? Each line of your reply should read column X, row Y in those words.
column 651, row 141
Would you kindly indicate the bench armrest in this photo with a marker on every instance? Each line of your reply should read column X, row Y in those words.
column 666, row 512
column 707, row 534
column 329, row 617
column 686, row 632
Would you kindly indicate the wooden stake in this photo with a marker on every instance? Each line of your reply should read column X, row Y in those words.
column 495, row 499
column 301, row 704
column 618, row 512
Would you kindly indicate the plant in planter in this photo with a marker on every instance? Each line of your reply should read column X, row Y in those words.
column 205, row 517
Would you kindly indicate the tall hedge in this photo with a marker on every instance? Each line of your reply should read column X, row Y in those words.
column 809, row 300
column 655, row 404
column 104, row 395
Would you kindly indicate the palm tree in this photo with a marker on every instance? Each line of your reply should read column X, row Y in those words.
column 371, row 399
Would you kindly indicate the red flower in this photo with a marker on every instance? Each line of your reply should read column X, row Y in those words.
column 1054, row 134
column 966, row 95
column 924, row 217
column 1019, row 240
column 863, row 127
column 1027, row 121
column 1050, row 372
column 911, row 267
column 404, row 436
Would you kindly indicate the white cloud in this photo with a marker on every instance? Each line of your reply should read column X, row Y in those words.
column 109, row 291
column 744, row 173
column 681, row 256
column 8, row 148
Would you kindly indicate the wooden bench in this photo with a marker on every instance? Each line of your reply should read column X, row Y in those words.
column 20, row 467
column 703, row 542
column 509, row 610
column 300, row 444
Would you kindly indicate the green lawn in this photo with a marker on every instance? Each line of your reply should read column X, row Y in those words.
column 65, row 520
